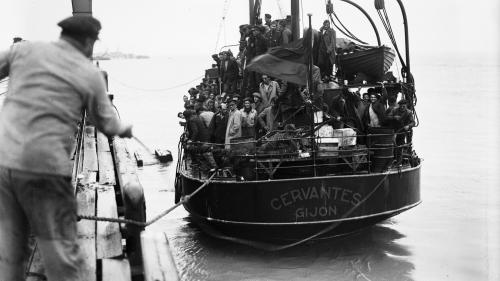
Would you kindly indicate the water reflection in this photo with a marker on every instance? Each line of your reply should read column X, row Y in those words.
column 372, row 254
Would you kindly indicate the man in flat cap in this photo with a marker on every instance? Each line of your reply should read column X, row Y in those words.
column 267, row 20
column 49, row 86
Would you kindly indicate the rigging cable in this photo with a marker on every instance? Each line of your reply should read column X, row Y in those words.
column 352, row 36
column 301, row 14
column 344, row 30
column 280, row 8
column 388, row 28
column 222, row 23
column 156, row 90
column 408, row 90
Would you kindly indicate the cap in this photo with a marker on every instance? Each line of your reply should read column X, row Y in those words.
column 256, row 94
column 82, row 25
column 268, row 16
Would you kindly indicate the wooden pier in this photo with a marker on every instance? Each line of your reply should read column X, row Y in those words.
column 106, row 185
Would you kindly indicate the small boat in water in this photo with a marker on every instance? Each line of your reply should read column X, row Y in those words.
column 314, row 180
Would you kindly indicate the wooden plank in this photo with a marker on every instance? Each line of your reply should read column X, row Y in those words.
column 102, row 142
column 36, row 271
column 90, row 165
column 106, row 168
column 86, row 230
column 159, row 264
column 109, row 238
column 105, row 160
column 115, row 270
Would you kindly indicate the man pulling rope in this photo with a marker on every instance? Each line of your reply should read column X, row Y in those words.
column 49, row 86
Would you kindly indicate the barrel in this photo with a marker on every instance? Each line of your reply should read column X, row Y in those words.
column 380, row 135
column 382, row 145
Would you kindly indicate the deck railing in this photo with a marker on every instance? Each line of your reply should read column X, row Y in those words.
column 284, row 154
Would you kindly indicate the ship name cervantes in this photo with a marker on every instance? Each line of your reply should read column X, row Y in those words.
column 310, row 193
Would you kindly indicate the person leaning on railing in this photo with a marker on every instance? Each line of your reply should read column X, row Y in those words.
column 198, row 138
column 268, row 117
column 402, row 122
column 50, row 85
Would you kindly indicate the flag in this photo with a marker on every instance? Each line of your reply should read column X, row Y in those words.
column 287, row 62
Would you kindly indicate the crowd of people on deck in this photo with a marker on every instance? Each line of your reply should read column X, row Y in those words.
column 226, row 107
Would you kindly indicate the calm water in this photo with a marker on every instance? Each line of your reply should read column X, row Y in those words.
column 453, row 235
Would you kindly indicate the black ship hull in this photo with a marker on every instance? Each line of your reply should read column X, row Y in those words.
column 294, row 209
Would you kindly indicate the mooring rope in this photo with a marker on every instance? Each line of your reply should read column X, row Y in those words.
column 255, row 244
column 183, row 200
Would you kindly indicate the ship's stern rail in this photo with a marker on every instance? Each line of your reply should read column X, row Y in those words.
column 292, row 156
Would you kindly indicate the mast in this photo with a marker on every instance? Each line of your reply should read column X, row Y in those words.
column 250, row 8
column 82, row 7
column 295, row 19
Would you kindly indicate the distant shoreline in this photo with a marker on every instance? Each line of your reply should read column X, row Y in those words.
column 119, row 55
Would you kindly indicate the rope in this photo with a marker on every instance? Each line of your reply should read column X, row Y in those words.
column 301, row 14
column 143, row 145
column 388, row 28
column 222, row 24
column 183, row 200
column 345, row 32
column 157, row 90
column 280, row 8
column 352, row 36
column 38, row 275
column 273, row 247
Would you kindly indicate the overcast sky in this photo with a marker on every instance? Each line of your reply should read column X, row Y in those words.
column 168, row 27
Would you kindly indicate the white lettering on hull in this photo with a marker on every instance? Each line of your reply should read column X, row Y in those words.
column 323, row 211
column 341, row 195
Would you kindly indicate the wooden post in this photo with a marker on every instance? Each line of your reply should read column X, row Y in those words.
column 133, row 198
column 295, row 19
